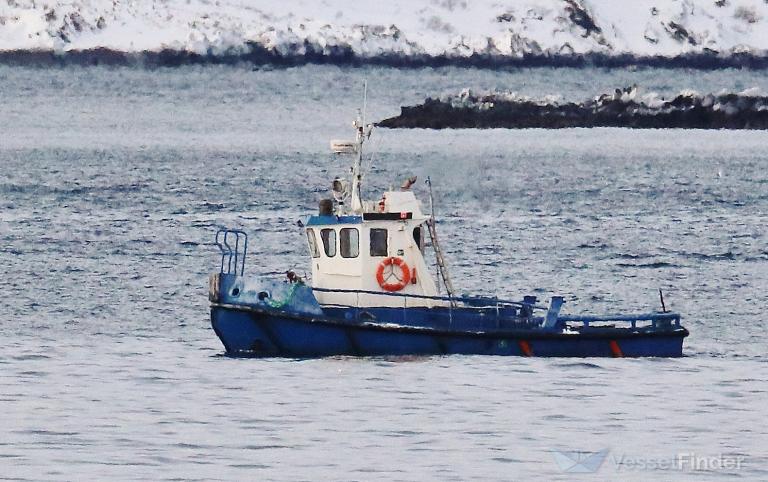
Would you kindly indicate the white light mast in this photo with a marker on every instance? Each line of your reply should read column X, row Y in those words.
column 363, row 133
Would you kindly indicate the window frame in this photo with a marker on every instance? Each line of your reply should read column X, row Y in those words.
column 356, row 245
column 326, row 244
column 314, row 250
column 386, row 242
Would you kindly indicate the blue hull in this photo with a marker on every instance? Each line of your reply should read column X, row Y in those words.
column 262, row 332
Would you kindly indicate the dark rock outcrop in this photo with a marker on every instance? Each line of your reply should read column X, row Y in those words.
column 623, row 108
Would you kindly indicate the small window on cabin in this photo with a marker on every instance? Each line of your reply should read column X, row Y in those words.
column 312, row 243
column 378, row 242
column 329, row 242
column 349, row 242
column 417, row 236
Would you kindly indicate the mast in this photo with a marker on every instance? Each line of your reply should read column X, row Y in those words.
column 363, row 132
column 357, row 174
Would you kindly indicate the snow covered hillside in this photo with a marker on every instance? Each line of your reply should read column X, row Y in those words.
column 367, row 30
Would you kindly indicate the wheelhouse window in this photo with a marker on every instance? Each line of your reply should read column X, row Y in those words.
column 349, row 242
column 417, row 237
column 312, row 243
column 378, row 242
column 329, row 242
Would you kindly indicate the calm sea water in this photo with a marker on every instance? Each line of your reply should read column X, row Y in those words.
column 115, row 180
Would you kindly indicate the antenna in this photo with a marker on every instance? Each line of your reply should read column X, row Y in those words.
column 363, row 132
column 355, row 147
column 375, row 145
column 365, row 98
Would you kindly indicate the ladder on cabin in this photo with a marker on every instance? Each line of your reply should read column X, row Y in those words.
column 441, row 268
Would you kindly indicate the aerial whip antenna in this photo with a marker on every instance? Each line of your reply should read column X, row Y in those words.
column 365, row 98
column 363, row 132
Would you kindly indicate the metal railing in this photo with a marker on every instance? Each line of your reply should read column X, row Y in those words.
column 654, row 318
column 469, row 300
column 231, row 256
column 523, row 315
column 498, row 308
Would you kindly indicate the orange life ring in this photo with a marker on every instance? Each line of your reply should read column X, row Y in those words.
column 401, row 282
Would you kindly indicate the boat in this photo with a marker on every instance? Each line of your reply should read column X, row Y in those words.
column 373, row 293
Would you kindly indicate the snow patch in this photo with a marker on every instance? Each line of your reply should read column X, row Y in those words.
column 368, row 29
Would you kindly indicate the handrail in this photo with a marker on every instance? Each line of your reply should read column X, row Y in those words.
column 232, row 254
column 492, row 301
column 637, row 317
column 654, row 318
column 632, row 319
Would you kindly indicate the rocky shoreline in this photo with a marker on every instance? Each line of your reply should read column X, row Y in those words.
column 622, row 108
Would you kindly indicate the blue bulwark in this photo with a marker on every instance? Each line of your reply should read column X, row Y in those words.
column 326, row 220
